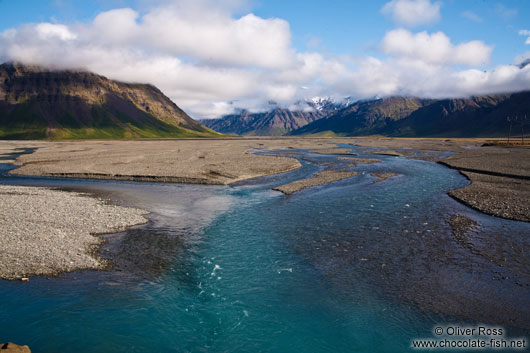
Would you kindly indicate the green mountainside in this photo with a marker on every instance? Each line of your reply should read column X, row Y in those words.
column 37, row 103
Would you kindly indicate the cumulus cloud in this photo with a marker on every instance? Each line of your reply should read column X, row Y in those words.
column 49, row 30
column 211, row 61
column 374, row 77
column 413, row 12
column 435, row 48
column 220, row 39
column 207, row 33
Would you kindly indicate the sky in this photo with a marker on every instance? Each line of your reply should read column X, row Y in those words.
column 215, row 57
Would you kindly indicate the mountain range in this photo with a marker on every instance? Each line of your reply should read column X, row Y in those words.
column 414, row 117
column 390, row 116
column 39, row 103
column 275, row 122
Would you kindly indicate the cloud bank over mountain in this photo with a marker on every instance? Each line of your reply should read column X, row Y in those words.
column 210, row 59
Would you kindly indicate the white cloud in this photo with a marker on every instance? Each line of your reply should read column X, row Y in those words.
column 484, row 82
column 220, row 39
column 49, row 31
column 470, row 15
column 404, row 77
column 210, row 61
column 435, row 48
column 114, row 27
column 207, row 34
column 413, row 12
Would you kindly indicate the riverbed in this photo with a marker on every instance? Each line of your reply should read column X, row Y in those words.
column 348, row 266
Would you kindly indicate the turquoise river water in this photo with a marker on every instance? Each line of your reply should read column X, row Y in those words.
column 353, row 266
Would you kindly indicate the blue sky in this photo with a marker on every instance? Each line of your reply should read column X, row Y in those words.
column 294, row 49
column 339, row 26
column 356, row 26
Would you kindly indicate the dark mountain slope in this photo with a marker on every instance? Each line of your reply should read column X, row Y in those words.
column 471, row 117
column 409, row 117
column 39, row 103
column 363, row 117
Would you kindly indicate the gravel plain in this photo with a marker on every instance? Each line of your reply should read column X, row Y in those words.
column 45, row 232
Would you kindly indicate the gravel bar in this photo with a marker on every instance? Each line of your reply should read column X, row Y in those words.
column 355, row 161
column 382, row 176
column 45, row 232
column 461, row 225
column 334, row 151
column 320, row 178
column 497, row 196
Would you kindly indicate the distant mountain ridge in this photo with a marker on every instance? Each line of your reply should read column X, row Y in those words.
column 275, row 122
column 40, row 103
column 414, row 117
column 390, row 116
